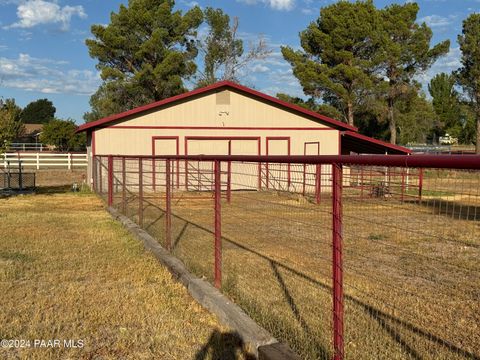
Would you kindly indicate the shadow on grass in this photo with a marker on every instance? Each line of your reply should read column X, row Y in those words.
column 452, row 209
column 224, row 346
column 393, row 326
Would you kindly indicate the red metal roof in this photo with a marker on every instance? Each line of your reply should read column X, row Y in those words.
column 222, row 84
column 353, row 141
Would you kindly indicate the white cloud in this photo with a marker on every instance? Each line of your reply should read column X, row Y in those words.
column 46, row 76
column 448, row 63
column 437, row 21
column 39, row 12
column 274, row 4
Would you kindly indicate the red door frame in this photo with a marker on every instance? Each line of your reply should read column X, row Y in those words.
column 177, row 140
column 229, row 138
column 285, row 138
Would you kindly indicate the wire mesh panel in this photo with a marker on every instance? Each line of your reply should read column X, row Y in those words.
column 339, row 259
column 411, row 272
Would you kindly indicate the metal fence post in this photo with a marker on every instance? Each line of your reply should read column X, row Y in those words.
column 140, row 192
column 337, row 273
column 218, row 226
column 168, row 210
column 124, row 187
column 110, row 180
column 94, row 173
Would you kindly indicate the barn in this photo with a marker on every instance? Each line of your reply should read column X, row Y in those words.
column 225, row 118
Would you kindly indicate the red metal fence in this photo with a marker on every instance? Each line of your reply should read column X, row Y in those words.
column 343, row 257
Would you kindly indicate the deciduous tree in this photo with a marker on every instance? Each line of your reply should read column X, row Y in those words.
column 223, row 51
column 61, row 134
column 11, row 125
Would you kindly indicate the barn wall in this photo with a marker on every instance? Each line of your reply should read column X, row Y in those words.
column 223, row 114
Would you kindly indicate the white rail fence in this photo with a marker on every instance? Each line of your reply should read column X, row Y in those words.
column 43, row 160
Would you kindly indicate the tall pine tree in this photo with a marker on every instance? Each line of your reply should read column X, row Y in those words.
column 144, row 54
column 405, row 53
column 338, row 56
column 469, row 73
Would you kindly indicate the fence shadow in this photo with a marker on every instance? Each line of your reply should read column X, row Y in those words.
column 224, row 346
column 386, row 321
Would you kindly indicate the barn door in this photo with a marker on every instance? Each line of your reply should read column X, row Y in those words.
column 199, row 175
column 310, row 171
column 277, row 176
column 163, row 146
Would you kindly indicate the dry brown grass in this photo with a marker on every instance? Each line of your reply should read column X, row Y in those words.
column 411, row 270
column 68, row 271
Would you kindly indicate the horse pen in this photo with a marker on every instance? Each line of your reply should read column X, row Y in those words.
column 344, row 257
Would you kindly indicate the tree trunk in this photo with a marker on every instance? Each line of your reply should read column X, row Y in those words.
column 391, row 122
column 350, row 113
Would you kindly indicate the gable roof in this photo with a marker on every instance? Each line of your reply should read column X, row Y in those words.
column 219, row 85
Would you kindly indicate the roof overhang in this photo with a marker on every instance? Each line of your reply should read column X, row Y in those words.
column 217, row 87
column 353, row 142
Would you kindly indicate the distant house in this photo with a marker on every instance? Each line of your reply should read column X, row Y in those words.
column 31, row 134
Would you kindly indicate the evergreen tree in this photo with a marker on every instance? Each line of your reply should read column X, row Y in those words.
column 311, row 104
column 469, row 73
column 144, row 54
column 338, row 57
column 405, row 52
column 38, row 112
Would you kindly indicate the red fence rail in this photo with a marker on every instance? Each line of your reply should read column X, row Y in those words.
column 403, row 232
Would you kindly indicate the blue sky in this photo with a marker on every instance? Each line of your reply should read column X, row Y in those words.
column 43, row 52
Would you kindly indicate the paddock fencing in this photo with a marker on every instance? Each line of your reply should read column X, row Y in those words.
column 44, row 160
column 340, row 257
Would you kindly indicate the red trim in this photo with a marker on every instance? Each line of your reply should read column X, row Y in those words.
column 177, row 139
column 216, row 86
column 284, row 138
column 145, row 127
column 377, row 142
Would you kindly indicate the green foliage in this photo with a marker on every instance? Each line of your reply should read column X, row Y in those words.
column 338, row 54
column 469, row 73
column 144, row 54
column 38, row 112
column 445, row 100
column 11, row 125
column 405, row 52
column 61, row 134
column 223, row 52
column 416, row 118
column 310, row 104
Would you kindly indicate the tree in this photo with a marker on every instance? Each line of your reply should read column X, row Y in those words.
column 311, row 104
column 11, row 125
column 405, row 52
column 338, row 57
column 144, row 54
column 446, row 102
column 38, row 112
column 223, row 51
column 61, row 134
column 469, row 74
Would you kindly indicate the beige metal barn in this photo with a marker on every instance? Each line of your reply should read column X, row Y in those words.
column 222, row 119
